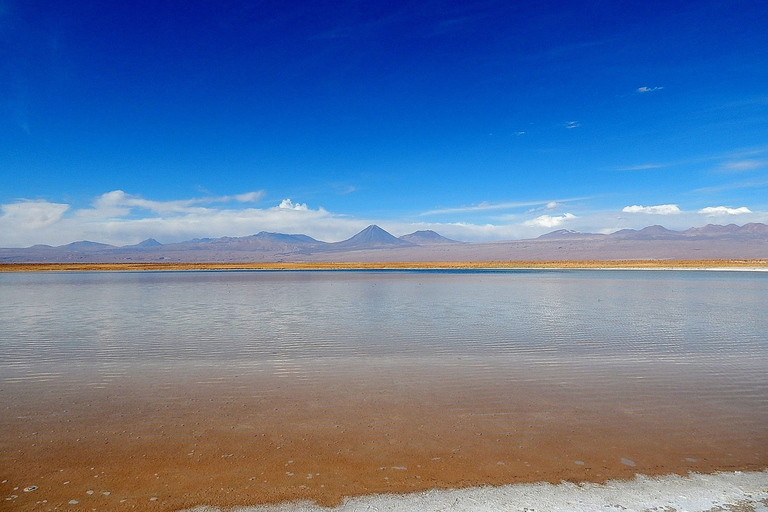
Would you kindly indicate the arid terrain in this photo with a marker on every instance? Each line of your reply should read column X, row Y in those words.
column 374, row 246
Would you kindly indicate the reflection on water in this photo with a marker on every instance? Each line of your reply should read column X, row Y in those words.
column 566, row 325
column 570, row 355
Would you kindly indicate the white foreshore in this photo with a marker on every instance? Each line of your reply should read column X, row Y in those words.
column 742, row 491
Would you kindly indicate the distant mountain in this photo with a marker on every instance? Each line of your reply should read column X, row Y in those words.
column 755, row 228
column 85, row 245
column 655, row 232
column 260, row 242
column 710, row 231
column 567, row 234
column 288, row 239
column 729, row 230
column 427, row 237
column 372, row 237
column 149, row 242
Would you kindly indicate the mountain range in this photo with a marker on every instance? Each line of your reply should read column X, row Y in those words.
column 657, row 232
column 375, row 244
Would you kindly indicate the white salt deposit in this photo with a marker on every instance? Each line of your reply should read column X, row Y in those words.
column 672, row 493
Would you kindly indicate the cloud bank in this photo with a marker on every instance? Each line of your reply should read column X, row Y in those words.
column 120, row 218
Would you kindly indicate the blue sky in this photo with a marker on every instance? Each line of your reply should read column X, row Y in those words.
column 482, row 120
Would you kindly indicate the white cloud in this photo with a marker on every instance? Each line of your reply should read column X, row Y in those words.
column 713, row 211
column 549, row 221
column 572, row 124
column 661, row 209
column 287, row 204
column 648, row 89
column 31, row 215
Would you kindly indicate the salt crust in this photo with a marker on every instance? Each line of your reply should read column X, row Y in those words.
column 720, row 492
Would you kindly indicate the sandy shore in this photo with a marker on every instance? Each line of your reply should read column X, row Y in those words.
column 745, row 264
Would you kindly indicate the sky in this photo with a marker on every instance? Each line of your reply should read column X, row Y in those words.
column 481, row 120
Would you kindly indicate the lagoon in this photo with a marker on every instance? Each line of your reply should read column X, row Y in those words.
column 166, row 390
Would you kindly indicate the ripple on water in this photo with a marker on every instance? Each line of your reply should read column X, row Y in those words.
column 656, row 343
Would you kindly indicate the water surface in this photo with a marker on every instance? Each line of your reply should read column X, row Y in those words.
column 255, row 387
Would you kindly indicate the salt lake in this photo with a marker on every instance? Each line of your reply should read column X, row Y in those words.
column 169, row 390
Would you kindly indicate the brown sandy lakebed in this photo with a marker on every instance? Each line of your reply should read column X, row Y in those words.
column 178, row 441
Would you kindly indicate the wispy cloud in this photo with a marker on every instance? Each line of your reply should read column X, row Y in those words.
column 732, row 161
column 486, row 206
column 755, row 184
column 714, row 211
column 648, row 89
column 570, row 125
column 661, row 209
column 248, row 197
column 117, row 202
column 738, row 166
column 641, row 167
column 345, row 189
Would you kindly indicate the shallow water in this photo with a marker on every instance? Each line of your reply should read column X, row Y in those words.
column 253, row 387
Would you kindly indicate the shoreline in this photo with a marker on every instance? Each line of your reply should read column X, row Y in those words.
column 694, row 492
column 704, row 264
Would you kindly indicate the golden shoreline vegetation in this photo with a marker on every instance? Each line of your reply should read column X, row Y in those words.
column 401, row 265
